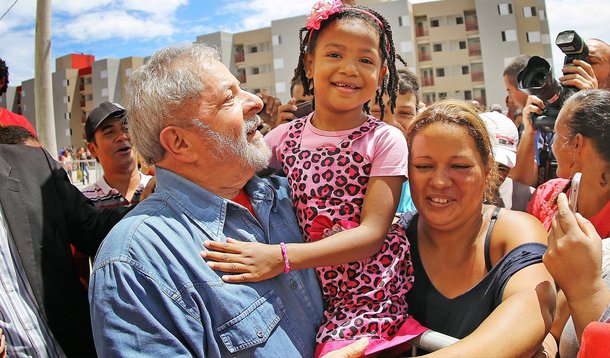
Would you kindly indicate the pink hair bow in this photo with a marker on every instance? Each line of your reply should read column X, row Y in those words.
column 321, row 11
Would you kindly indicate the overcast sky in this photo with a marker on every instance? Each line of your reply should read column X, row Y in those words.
column 121, row 28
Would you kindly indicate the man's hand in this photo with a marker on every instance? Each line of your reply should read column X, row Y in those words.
column 286, row 112
column 573, row 256
column 580, row 75
column 533, row 105
column 354, row 350
column 246, row 261
column 270, row 109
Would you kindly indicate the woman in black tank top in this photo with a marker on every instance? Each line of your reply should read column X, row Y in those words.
column 478, row 270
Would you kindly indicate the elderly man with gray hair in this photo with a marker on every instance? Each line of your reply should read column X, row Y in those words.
column 150, row 291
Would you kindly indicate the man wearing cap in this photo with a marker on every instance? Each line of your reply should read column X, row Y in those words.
column 504, row 139
column 109, row 142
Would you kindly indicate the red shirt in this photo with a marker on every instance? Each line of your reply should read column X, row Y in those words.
column 8, row 118
column 544, row 206
column 244, row 200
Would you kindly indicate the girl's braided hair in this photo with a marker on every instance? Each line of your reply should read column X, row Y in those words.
column 309, row 37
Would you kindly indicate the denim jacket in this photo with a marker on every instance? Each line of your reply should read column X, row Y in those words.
column 151, row 293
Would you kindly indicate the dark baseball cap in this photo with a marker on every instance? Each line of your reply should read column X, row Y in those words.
column 99, row 114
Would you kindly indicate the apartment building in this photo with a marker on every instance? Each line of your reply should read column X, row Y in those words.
column 464, row 45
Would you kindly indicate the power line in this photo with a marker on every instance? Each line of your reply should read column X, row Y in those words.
column 9, row 9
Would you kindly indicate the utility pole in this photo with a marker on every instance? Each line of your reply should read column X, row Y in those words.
column 43, row 86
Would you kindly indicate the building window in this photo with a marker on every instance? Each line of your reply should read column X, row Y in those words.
column 465, row 70
column 468, row 95
column 437, row 47
column 462, row 45
column 474, row 46
column 427, row 77
column 459, row 20
column 470, row 17
column 541, row 15
column 533, row 36
column 104, row 74
column 476, row 72
column 276, row 40
column 505, row 9
column 429, row 98
column 509, row 35
column 128, row 72
column 440, row 72
column 434, row 23
column 529, row 11
column 67, row 115
column 404, row 21
column 255, row 70
column 253, row 49
column 442, row 96
column 104, row 92
column 278, row 63
column 423, row 52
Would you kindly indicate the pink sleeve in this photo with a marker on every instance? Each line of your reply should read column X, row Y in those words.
column 389, row 152
column 274, row 139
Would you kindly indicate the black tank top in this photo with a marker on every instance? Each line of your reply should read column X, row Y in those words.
column 459, row 316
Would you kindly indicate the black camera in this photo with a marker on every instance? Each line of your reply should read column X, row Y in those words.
column 537, row 79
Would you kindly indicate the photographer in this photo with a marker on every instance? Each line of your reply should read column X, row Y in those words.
column 594, row 73
column 545, row 100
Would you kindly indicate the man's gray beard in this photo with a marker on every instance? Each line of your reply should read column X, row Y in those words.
column 253, row 155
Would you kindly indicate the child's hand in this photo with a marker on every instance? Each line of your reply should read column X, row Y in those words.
column 246, row 261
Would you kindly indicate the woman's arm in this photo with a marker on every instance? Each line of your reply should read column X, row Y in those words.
column 252, row 262
column 519, row 325
column 574, row 260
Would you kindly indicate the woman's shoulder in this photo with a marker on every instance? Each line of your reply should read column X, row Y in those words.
column 516, row 228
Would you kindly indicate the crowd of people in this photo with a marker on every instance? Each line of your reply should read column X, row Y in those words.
column 348, row 221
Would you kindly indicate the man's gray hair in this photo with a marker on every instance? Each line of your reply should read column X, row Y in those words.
column 514, row 67
column 157, row 92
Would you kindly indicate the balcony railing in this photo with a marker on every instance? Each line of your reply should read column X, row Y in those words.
column 474, row 50
column 427, row 81
column 477, row 77
column 421, row 31
column 424, row 56
column 471, row 25
column 241, row 77
column 239, row 57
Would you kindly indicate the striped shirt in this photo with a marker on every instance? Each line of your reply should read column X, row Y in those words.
column 103, row 196
column 26, row 331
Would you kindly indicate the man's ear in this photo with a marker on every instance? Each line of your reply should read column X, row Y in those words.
column 92, row 148
column 308, row 65
column 177, row 144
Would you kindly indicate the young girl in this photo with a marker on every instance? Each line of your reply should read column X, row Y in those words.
column 345, row 169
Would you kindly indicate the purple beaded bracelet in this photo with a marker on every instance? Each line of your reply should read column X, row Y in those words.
column 285, row 256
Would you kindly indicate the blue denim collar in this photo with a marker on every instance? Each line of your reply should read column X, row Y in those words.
column 207, row 209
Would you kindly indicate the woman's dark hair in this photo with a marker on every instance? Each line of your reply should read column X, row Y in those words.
column 588, row 113
column 462, row 115
column 308, row 39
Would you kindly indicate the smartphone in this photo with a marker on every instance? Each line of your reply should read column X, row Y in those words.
column 574, row 187
column 303, row 109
